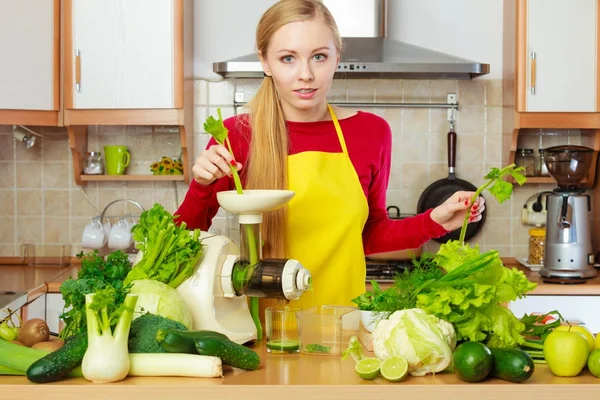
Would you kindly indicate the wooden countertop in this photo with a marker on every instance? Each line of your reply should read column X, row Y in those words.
column 305, row 377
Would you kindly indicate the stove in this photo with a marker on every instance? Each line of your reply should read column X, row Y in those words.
column 384, row 270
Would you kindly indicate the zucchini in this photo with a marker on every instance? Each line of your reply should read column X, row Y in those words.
column 179, row 341
column 229, row 352
column 58, row 364
column 513, row 365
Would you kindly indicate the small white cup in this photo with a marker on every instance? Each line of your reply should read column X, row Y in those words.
column 120, row 235
column 93, row 236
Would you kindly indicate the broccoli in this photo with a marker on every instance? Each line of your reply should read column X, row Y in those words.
column 142, row 335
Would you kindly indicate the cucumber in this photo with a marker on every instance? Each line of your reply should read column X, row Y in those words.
column 58, row 364
column 513, row 365
column 179, row 341
column 229, row 352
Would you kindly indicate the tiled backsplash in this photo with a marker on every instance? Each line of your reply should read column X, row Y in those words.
column 40, row 203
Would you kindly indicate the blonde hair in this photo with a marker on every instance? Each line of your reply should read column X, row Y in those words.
column 267, row 164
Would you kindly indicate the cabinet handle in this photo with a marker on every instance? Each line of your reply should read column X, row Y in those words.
column 77, row 70
column 533, row 69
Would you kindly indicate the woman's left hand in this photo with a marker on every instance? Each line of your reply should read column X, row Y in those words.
column 451, row 214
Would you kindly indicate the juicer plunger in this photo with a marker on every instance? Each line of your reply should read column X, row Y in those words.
column 219, row 289
column 568, row 256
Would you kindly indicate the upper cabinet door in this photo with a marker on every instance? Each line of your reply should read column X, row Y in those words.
column 123, row 54
column 29, row 55
column 561, row 56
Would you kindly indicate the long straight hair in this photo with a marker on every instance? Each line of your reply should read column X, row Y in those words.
column 267, row 164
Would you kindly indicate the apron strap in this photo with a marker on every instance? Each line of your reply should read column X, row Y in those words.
column 338, row 129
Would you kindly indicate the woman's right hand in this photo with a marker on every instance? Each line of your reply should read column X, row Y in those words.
column 212, row 164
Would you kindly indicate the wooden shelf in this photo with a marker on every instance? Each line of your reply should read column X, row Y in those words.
column 78, row 140
column 112, row 178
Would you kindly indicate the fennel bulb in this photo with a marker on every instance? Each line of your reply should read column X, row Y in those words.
column 107, row 357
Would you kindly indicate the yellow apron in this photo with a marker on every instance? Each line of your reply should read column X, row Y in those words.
column 325, row 221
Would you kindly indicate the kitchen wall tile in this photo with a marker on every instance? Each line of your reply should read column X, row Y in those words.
column 55, row 150
column 338, row 91
column 29, row 230
column 112, row 130
column 34, row 154
column 141, row 130
column 469, row 148
column 200, row 142
column 57, row 203
column 499, row 235
column 7, row 146
column 9, row 226
column 438, row 148
column 200, row 92
column 166, row 198
column 393, row 116
column 413, row 175
column 56, row 231
column 410, row 199
column 415, row 121
column 166, row 129
column 29, row 175
column 56, row 175
column 165, row 145
column 471, row 119
column 221, row 93
column 414, row 148
column 396, row 181
column 7, row 177
column 200, row 115
column 493, row 152
column 360, row 90
column 439, row 125
column 394, row 197
column 493, row 120
column 7, row 202
column 387, row 90
column 416, row 91
column 78, row 224
column 471, row 93
column 226, row 112
column 493, row 92
column 141, row 148
column 29, row 203
column 441, row 88
column 8, row 250
column 248, row 87
column 80, row 206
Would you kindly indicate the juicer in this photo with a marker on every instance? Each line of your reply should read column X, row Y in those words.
column 568, row 256
column 218, row 291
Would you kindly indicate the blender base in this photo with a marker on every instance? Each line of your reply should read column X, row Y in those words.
column 568, row 277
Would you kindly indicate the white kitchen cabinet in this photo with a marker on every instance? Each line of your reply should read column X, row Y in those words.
column 122, row 54
column 560, row 54
column 573, row 308
column 29, row 66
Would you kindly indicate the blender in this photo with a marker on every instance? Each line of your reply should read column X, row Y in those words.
column 568, row 256
column 218, row 291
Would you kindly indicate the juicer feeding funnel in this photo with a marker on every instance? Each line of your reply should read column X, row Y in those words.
column 252, row 203
column 568, row 164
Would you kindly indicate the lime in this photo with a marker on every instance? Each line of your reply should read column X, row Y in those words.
column 283, row 345
column 472, row 361
column 593, row 363
column 368, row 368
column 394, row 368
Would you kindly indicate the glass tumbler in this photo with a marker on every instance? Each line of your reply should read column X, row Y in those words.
column 281, row 325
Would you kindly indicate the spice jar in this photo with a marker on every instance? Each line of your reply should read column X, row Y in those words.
column 525, row 158
column 93, row 163
column 537, row 240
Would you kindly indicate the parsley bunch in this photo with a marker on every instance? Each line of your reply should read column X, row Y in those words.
column 96, row 273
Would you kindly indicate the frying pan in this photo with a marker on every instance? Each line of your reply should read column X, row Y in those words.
column 440, row 190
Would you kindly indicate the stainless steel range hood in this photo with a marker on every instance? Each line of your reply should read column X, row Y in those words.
column 368, row 53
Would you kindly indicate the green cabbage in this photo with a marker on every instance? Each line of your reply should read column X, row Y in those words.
column 424, row 340
column 158, row 298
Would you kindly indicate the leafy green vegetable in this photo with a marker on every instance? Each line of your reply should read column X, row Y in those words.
column 535, row 325
column 219, row 132
column 317, row 348
column 95, row 273
column 498, row 187
column 169, row 252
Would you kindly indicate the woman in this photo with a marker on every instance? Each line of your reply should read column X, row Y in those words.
column 336, row 160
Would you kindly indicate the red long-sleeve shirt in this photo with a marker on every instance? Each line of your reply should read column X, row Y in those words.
column 369, row 142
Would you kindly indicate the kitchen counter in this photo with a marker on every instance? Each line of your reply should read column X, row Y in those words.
column 304, row 377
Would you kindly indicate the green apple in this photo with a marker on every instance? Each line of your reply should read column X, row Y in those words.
column 587, row 334
column 566, row 352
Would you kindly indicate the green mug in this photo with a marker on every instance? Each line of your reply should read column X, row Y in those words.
column 117, row 159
